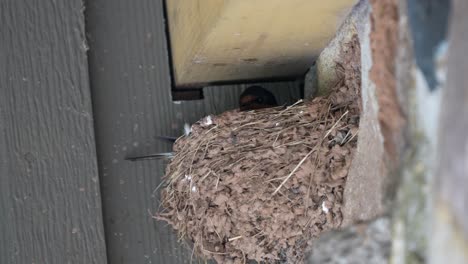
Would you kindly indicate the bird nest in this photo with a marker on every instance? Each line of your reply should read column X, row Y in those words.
column 260, row 185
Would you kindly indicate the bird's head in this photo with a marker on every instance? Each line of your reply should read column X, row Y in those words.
column 256, row 97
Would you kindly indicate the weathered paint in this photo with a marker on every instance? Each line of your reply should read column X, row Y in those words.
column 50, row 208
column 243, row 39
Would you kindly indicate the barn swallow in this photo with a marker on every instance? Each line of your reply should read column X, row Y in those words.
column 254, row 97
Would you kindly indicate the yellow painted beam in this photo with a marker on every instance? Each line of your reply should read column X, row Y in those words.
column 229, row 40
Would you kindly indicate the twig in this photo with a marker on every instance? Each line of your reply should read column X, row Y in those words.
column 293, row 171
column 308, row 154
column 336, row 123
column 234, row 238
column 353, row 136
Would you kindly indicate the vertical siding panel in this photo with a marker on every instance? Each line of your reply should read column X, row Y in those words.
column 50, row 206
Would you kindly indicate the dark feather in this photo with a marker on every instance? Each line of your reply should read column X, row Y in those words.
column 167, row 139
column 162, row 155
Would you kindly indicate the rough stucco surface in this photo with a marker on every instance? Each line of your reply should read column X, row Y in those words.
column 363, row 196
column 410, row 218
column 370, row 186
column 431, row 210
column 365, row 243
column 384, row 41
column 453, row 143
column 450, row 206
column 369, row 181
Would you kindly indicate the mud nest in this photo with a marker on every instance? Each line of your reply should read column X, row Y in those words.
column 261, row 185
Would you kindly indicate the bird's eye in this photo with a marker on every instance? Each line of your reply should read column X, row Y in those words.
column 259, row 100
